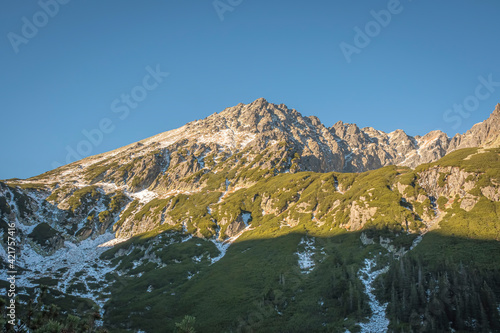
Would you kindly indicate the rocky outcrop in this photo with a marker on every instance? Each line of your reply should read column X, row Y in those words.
column 49, row 239
column 359, row 214
column 468, row 202
column 491, row 192
column 447, row 181
column 235, row 227
column 485, row 133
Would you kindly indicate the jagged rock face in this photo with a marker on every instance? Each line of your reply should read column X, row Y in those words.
column 343, row 147
column 270, row 124
column 454, row 181
column 359, row 216
column 368, row 149
column 485, row 133
column 239, row 146
column 295, row 143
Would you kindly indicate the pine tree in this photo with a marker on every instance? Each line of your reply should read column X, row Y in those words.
column 186, row 325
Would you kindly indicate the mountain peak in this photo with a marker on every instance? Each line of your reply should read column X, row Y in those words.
column 260, row 102
column 481, row 134
column 497, row 109
column 343, row 147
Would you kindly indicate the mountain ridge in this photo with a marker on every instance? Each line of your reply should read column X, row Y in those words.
column 231, row 150
column 158, row 224
column 343, row 147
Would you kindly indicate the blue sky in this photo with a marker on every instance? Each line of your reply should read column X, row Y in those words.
column 406, row 72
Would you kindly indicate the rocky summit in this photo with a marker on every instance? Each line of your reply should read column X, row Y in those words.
column 259, row 219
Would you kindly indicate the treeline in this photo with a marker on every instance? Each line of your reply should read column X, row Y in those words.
column 345, row 292
column 443, row 297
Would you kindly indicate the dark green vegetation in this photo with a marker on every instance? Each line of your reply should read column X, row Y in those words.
column 256, row 285
column 444, row 283
column 82, row 196
column 46, row 311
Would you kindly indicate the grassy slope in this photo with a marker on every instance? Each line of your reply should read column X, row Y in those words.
column 248, row 287
column 259, row 277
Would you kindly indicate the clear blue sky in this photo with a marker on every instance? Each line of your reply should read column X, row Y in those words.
column 64, row 78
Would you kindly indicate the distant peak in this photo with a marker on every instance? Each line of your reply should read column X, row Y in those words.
column 397, row 133
column 495, row 114
column 261, row 105
column 260, row 101
column 434, row 134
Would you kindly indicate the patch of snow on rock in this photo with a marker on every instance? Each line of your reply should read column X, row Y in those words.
column 247, row 139
column 113, row 242
column 378, row 321
column 223, row 246
column 416, row 241
column 81, row 261
column 144, row 196
column 306, row 262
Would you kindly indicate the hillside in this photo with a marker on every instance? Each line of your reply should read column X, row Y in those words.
column 257, row 218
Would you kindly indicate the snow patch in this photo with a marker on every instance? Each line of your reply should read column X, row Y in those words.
column 143, row 196
column 378, row 321
column 222, row 196
column 223, row 246
column 306, row 262
column 197, row 258
column 246, row 140
column 113, row 242
column 417, row 240
column 201, row 161
column 336, row 184
column 108, row 187
column 187, row 238
column 229, row 138
column 74, row 261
